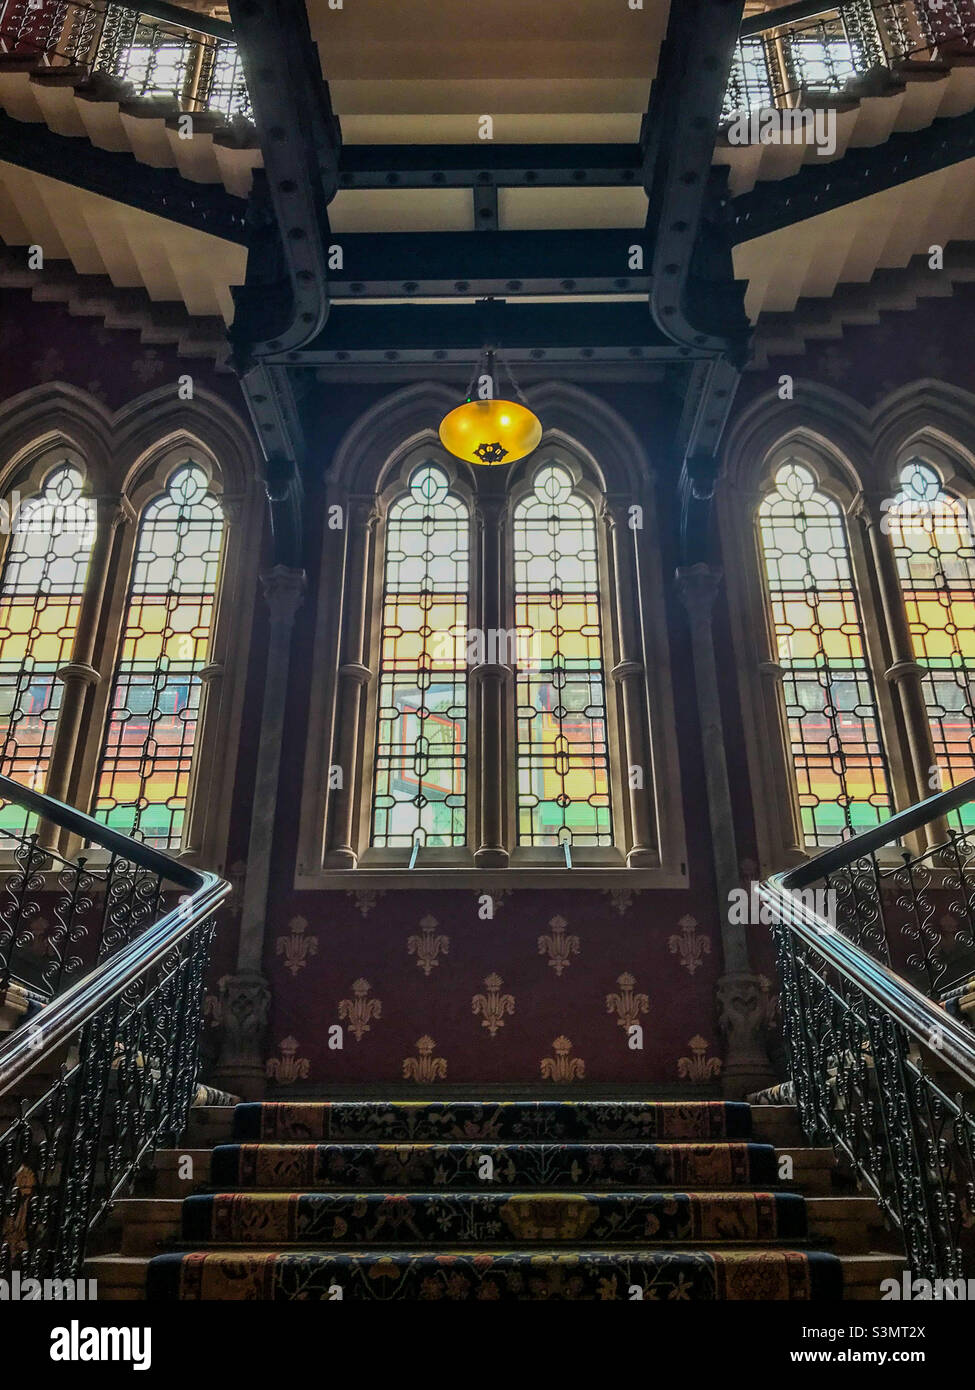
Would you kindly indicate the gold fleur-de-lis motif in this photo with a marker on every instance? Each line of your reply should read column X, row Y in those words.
column 698, row 1067
column 425, row 1067
column 289, row 1066
column 360, row 1009
column 365, row 899
column 428, row 945
column 493, row 1005
column 621, row 898
column 691, row 947
column 562, row 1067
column 627, row 1005
column 296, row 948
column 558, row 947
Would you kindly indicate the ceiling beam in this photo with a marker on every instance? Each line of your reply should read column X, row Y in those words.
column 469, row 264
column 500, row 166
column 582, row 332
column 820, row 187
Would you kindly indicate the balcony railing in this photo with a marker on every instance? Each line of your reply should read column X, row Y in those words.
column 827, row 53
column 102, row 956
column 198, row 68
column 869, row 935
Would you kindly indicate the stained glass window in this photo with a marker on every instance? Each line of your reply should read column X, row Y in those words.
column 931, row 533
column 152, row 724
column 421, row 745
column 837, row 754
column 562, row 758
column 40, row 599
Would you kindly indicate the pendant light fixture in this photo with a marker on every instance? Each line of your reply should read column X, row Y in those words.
column 486, row 429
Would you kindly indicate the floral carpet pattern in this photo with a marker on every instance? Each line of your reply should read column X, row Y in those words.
column 514, row 1201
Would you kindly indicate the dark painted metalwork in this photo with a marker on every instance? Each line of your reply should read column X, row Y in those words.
column 555, row 332
column 819, row 188
column 157, row 50
column 108, row 949
column 694, row 299
column 880, row 1071
column 503, row 166
column 466, row 264
column 284, row 304
column 121, row 176
column 804, row 52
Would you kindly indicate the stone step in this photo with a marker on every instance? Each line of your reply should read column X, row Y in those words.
column 516, row 1121
column 863, row 1275
column 355, row 1218
column 123, row 1277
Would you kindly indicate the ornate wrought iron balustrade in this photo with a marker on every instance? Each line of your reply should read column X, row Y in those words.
column 102, row 955
column 199, row 68
column 881, row 1071
column 830, row 52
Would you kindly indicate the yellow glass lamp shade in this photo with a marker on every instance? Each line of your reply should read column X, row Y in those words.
column 490, row 432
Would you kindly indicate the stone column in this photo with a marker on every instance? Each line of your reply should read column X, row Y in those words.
column 79, row 674
column 491, row 677
column 245, row 996
column 354, row 676
column 630, row 675
column 742, row 997
column 904, row 674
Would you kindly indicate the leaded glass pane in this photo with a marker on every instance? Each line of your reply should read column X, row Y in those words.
column 148, row 754
column 563, row 762
column 421, row 746
column 930, row 531
column 40, row 599
column 834, row 730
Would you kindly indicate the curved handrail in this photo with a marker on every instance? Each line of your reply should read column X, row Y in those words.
column 878, row 836
column 60, row 1019
column 908, row 1006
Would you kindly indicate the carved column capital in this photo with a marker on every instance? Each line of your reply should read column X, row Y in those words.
column 284, row 589
column 698, row 586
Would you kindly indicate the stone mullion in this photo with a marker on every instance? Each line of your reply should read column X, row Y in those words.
column 905, row 674
column 491, row 678
column 245, row 995
column 353, row 678
column 629, row 674
column 80, row 674
column 744, row 1005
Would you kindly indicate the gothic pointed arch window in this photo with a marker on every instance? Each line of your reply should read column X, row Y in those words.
column 145, row 771
column 930, row 530
column 562, row 741
column 835, row 748
column 420, row 774
column 45, row 569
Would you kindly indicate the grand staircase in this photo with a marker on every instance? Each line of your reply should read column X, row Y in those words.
column 517, row 1201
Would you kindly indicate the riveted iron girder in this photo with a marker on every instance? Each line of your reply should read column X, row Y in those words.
column 284, row 302
column 694, row 299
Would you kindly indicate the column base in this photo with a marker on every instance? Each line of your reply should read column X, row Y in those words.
column 244, row 1002
column 745, row 1009
column 486, row 858
column 639, row 858
column 343, row 858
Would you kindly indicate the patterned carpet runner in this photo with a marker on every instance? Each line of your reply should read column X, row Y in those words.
column 516, row 1200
